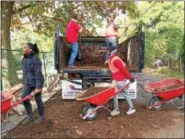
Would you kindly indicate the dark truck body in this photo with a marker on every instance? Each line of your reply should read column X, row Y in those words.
column 131, row 50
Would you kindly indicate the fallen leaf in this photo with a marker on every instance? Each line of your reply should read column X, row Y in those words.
column 75, row 126
column 155, row 126
column 109, row 118
column 175, row 120
column 128, row 135
column 79, row 132
column 56, row 122
column 89, row 122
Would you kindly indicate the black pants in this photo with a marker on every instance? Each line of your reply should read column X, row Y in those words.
column 38, row 98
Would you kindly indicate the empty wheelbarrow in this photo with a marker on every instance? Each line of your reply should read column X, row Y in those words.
column 165, row 90
column 97, row 101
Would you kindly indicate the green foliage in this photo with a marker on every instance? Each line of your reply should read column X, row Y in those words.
column 163, row 25
column 44, row 16
column 172, row 74
column 45, row 43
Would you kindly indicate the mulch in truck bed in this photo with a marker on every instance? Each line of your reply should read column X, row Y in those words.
column 92, row 55
column 63, row 121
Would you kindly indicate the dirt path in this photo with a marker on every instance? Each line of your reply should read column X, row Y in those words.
column 63, row 121
column 174, row 131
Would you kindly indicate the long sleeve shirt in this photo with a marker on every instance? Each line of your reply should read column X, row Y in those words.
column 32, row 71
column 118, row 69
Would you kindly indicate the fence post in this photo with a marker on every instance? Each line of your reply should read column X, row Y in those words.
column 44, row 65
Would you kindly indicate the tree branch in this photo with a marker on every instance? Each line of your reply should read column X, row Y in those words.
column 25, row 7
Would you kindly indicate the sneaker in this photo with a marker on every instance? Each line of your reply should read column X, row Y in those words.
column 131, row 111
column 28, row 121
column 115, row 112
column 39, row 120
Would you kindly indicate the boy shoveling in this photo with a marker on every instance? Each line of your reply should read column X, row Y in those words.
column 119, row 75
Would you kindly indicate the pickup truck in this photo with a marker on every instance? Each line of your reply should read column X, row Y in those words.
column 93, row 50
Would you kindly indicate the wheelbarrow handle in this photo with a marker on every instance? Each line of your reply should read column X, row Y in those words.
column 22, row 100
column 121, row 89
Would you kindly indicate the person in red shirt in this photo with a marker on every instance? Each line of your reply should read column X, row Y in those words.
column 119, row 75
column 72, row 31
column 111, row 35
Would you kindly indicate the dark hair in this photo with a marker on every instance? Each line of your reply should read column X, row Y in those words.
column 33, row 47
column 74, row 16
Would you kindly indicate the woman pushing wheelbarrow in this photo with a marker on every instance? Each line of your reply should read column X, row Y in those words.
column 119, row 75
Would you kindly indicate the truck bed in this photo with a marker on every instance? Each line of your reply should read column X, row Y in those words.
column 88, row 67
column 89, row 71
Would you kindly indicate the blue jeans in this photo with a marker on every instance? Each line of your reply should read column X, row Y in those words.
column 111, row 42
column 38, row 98
column 119, row 85
column 74, row 52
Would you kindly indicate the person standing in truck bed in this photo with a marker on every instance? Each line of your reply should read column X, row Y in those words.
column 119, row 75
column 72, row 31
column 111, row 36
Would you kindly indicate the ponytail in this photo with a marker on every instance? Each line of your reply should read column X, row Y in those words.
column 36, row 50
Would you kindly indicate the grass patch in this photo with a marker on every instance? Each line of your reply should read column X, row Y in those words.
column 165, row 73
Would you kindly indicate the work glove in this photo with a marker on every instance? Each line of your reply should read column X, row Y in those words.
column 132, row 79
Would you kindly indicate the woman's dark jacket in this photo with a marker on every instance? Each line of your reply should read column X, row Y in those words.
column 32, row 71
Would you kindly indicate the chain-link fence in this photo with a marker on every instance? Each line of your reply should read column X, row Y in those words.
column 15, row 62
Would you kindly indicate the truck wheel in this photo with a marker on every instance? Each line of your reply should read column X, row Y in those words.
column 154, row 100
column 87, row 109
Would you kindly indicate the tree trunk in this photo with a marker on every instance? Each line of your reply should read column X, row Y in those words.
column 170, row 64
column 7, row 11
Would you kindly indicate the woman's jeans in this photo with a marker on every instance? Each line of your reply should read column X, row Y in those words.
column 111, row 42
column 74, row 52
column 38, row 98
column 119, row 85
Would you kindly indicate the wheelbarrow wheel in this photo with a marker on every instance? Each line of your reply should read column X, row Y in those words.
column 87, row 109
column 154, row 100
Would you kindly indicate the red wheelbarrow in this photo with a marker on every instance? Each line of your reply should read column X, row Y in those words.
column 97, row 101
column 6, row 105
column 165, row 90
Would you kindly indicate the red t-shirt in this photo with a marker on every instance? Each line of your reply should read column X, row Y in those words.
column 118, row 69
column 72, row 31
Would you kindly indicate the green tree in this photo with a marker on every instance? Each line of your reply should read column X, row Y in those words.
column 44, row 15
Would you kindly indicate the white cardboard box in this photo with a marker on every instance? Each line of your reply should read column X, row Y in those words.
column 68, row 92
column 132, row 90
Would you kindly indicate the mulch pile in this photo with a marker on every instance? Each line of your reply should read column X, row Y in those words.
column 63, row 121
column 91, row 92
column 168, row 88
column 92, row 56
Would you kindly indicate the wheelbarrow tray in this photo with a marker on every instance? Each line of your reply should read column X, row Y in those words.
column 155, row 88
column 5, row 105
column 100, row 98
